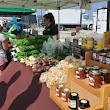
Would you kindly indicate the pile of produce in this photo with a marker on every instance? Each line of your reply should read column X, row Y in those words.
column 28, row 47
column 58, row 73
column 39, row 64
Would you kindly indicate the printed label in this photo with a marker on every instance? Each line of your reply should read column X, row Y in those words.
column 107, row 60
column 100, row 58
column 72, row 103
column 77, row 76
column 91, row 81
column 94, row 56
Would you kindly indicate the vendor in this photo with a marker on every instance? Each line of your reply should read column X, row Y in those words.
column 3, row 48
column 51, row 28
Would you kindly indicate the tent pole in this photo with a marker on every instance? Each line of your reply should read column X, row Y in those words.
column 59, row 22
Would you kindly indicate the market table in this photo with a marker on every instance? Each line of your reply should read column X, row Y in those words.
column 21, row 90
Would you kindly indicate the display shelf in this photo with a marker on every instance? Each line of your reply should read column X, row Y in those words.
column 98, row 98
column 85, row 84
column 90, row 62
column 63, row 105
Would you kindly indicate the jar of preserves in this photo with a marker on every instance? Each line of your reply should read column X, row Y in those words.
column 80, row 73
column 65, row 94
column 96, row 53
column 73, row 101
column 87, row 70
column 83, row 104
column 108, row 59
column 96, row 68
column 105, row 76
column 95, row 79
column 102, row 57
column 106, row 50
column 59, row 89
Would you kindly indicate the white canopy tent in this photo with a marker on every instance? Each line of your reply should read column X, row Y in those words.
column 44, row 4
column 47, row 4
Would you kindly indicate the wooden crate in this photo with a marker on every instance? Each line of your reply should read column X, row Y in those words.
column 98, row 97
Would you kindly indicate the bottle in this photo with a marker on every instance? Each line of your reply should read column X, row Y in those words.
column 73, row 101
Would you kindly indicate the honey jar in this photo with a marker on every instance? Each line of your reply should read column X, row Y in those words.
column 80, row 73
column 59, row 89
column 95, row 79
column 65, row 94
column 105, row 76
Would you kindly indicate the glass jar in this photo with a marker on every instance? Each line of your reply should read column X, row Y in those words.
column 105, row 76
column 80, row 73
column 73, row 101
column 96, row 68
column 108, row 59
column 65, row 94
column 95, row 79
column 96, row 53
column 102, row 57
column 87, row 70
column 106, row 50
column 59, row 89
column 83, row 104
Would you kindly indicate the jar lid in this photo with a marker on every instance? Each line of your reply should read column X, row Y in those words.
column 108, row 54
column 96, row 67
column 73, row 95
column 88, row 67
column 80, row 69
column 100, row 49
column 84, row 103
column 65, row 90
column 104, row 71
column 106, row 48
column 95, row 73
column 60, row 86
column 103, row 54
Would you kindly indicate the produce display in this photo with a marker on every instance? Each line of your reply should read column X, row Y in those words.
column 28, row 47
column 55, row 49
column 58, row 73
column 39, row 64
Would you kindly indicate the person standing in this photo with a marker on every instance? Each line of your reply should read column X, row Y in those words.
column 3, row 48
column 51, row 28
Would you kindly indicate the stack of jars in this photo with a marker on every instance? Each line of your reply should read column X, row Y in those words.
column 97, row 76
column 102, row 55
column 72, row 98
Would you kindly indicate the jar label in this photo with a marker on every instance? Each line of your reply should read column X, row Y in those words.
column 72, row 103
column 104, row 60
column 97, row 56
column 94, row 56
column 91, row 81
column 107, row 60
column 57, row 93
column 77, row 72
column 100, row 58
column 77, row 76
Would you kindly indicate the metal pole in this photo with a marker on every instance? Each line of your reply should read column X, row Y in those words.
column 59, row 23
column 108, row 16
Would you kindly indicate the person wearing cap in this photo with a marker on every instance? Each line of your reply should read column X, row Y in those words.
column 51, row 28
column 3, row 48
